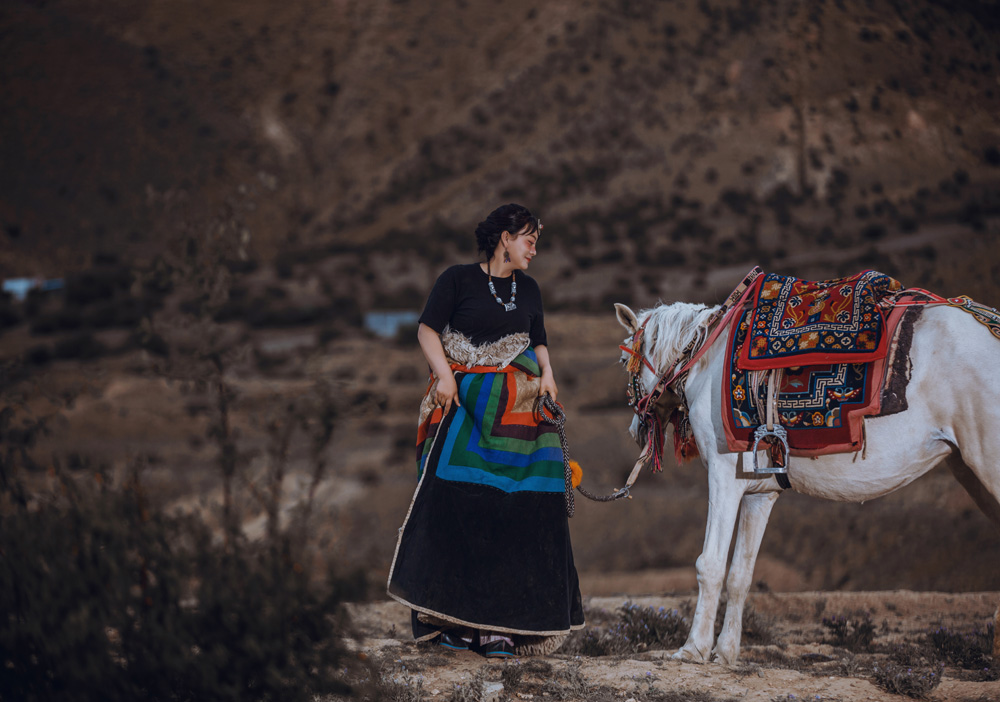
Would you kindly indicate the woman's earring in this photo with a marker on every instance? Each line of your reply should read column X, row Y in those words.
column 506, row 256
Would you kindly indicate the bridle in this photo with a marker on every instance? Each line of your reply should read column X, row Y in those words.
column 634, row 364
column 674, row 377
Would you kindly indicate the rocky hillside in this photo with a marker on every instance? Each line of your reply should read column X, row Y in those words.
column 661, row 142
column 337, row 155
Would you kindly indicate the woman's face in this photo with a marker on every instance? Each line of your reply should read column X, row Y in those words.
column 521, row 248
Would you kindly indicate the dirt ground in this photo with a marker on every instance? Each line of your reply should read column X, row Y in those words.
column 800, row 665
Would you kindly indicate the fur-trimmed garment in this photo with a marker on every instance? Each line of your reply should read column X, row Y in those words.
column 486, row 542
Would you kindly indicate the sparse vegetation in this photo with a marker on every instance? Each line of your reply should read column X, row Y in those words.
column 179, row 615
column 970, row 650
column 855, row 632
column 471, row 690
column 383, row 678
column 902, row 680
column 105, row 594
column 637, row 629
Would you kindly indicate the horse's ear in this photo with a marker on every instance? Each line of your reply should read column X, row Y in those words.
column 626, row 317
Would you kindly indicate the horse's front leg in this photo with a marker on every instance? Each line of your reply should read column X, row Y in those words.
column 724, row 494
column 754, row 512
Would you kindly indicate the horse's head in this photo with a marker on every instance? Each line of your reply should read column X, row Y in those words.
column 656, row 339
column 642, row 371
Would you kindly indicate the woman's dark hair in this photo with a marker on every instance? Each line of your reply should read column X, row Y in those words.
column 510, row 218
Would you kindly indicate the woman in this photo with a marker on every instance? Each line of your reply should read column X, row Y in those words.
column 484, row 559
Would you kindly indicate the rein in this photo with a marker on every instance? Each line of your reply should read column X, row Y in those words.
column 557, row 416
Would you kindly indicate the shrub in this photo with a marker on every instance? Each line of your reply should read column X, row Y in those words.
column 470, row 691
column 850, row 667
column 638, row 629
column 589, row 642
column 757, row 628
column 388, row 680
column 104, row 598
column 856, row 633
column 511, row 676
column 902, row 680
column 651, row 628
column 969, row 650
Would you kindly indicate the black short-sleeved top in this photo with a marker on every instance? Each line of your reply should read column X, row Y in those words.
column 461, row 299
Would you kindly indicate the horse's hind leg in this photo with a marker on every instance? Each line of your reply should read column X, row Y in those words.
column 724, row 494
column 974, row 486
column 754, row 512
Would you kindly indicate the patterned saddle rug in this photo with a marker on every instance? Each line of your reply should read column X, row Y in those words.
column 798, row 322
column 831, row 340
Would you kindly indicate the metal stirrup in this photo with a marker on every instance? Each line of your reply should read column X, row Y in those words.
column 781, row 434
column 771, row 428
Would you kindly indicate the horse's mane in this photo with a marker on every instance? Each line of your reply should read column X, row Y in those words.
column 670, row 328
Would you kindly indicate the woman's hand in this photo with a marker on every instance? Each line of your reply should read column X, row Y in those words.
column 548, row 385
column 447, row 392
column 548, row 377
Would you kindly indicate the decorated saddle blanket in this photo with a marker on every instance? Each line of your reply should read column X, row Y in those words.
column 821, row 401
column 839, row 350
column 795, row 322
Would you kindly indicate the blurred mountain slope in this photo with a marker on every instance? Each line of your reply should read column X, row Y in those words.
column 678, row 135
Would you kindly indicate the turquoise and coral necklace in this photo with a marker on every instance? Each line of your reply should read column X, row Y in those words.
column 507, row 306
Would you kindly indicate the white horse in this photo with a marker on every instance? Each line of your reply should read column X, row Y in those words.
column 953, row 401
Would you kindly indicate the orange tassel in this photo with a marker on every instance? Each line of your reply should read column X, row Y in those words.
column 634, row 364
column 577, row 473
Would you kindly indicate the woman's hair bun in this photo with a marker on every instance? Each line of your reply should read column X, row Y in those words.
column 510, row 218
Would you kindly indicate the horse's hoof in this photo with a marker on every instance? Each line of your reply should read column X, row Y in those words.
column 687, row 656
column 723, row 659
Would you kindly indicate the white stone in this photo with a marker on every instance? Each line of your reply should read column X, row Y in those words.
column 491, row 691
